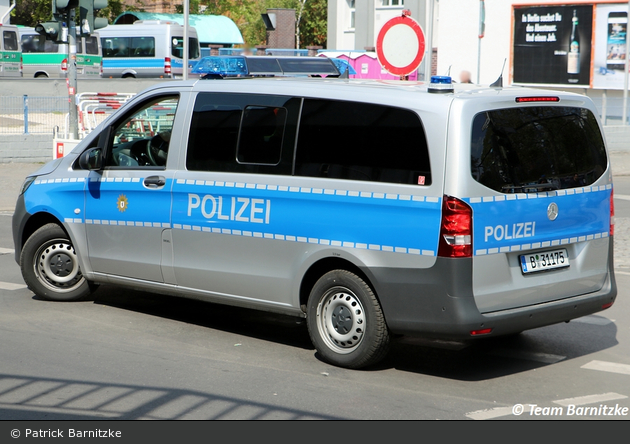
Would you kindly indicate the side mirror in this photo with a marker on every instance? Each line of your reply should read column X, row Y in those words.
column 91, row 159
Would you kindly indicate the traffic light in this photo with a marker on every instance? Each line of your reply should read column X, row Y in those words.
column 87, row 20
column 55, row 31
column 60, row 7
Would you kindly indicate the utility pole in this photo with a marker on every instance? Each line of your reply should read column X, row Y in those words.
column 482, row 31
column 72, row 76
column 185, row 43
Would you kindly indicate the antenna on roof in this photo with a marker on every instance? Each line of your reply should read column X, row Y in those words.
column 498, row 83
column 448, row 71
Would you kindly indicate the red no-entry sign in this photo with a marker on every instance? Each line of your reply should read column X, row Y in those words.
column 400, row 46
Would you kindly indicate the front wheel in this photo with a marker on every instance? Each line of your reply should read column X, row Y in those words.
column 345, row 321
column 50, row 266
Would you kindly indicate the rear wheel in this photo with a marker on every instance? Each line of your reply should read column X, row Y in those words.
column 50, row 266
column 345, row 321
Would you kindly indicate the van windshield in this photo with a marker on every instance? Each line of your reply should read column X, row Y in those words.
column 535, row 149
column 177, row 48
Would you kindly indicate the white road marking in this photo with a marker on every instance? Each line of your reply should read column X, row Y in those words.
column 594, row 320
column 622, row 196
column 528, row 356
column 6, row 251
column 10, row 286
column 612, row 367
column 590, row 399
column 481, row 415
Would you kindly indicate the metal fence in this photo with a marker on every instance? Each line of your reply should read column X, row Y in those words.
column 49, row 115
column 32, row 115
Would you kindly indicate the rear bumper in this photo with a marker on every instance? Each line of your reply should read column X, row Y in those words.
column 439, row 302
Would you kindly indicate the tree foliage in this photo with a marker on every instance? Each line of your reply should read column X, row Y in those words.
column 31, row 12
column 247, row 16
column 245, row 13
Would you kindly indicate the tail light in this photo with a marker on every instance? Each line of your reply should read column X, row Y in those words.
column 64, row 65
column 167, row 65
column 455, row 229
column 612, row 213
column 101, row 68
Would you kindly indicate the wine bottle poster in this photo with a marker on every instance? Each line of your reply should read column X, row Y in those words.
column 552, row 45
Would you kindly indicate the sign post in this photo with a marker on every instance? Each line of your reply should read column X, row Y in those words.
column 400, row 45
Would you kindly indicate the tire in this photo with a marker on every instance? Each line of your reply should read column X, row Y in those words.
column 345, row 321
column 50, row 266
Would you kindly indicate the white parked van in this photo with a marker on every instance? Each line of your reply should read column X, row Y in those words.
column 10, row 51
column 47, row 59
column 368, row 208
column 147, row 48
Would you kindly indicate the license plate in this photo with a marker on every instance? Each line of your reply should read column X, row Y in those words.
column 544, row 260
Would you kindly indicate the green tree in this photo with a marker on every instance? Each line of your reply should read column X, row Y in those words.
column 113, row 10
column 31, row 12
column 314, row 23
column 247, row 16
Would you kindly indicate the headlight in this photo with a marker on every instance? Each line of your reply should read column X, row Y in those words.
column 27, row 183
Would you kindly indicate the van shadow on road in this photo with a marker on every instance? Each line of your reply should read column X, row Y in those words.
column 474, row 361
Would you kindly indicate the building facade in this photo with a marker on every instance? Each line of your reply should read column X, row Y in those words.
column 354, row 24
column 156, row 6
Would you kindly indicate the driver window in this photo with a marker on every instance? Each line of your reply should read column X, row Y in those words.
column 142, row 138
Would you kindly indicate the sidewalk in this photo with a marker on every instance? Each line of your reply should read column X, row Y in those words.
column 12, row 175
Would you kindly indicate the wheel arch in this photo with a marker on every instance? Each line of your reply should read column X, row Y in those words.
column 323, row 266
column 35, row 222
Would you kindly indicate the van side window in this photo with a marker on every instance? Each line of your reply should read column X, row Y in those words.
column 142, row 137
column 10, row 40
column 143, row 46
column 128, row 46
column 260, row 139
column 535, row 149
column 243, row 133
column 361, row 141
column 91, row 45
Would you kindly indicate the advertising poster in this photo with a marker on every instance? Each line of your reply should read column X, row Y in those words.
column 611, row 24
column 552, row 45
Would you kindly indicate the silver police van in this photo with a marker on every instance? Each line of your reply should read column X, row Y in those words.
column 372, row 209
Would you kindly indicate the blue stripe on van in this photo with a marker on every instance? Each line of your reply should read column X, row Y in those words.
column 517, row 222
column 130, row 62
column 396, row 223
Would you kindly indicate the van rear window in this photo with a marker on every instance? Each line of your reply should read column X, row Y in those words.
column 533, row 149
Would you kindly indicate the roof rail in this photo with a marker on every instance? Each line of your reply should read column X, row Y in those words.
column 215, row 67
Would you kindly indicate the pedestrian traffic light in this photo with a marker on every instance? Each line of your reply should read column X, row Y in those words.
column 55, row 31
column 87, row 20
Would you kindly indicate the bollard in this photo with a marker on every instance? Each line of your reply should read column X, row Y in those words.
column 25, row 114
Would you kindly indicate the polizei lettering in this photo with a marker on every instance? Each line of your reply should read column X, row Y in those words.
column 508, row 232
column 234, row 208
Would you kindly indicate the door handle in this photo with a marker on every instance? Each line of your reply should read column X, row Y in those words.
column 154, row 182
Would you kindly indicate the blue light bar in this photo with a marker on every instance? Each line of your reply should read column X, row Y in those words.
column 241, row 66
column 343, row 65
column 441, row 79
column 441, row 84
column 222, row 66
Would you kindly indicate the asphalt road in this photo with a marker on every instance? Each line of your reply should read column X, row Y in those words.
column 133, row 355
